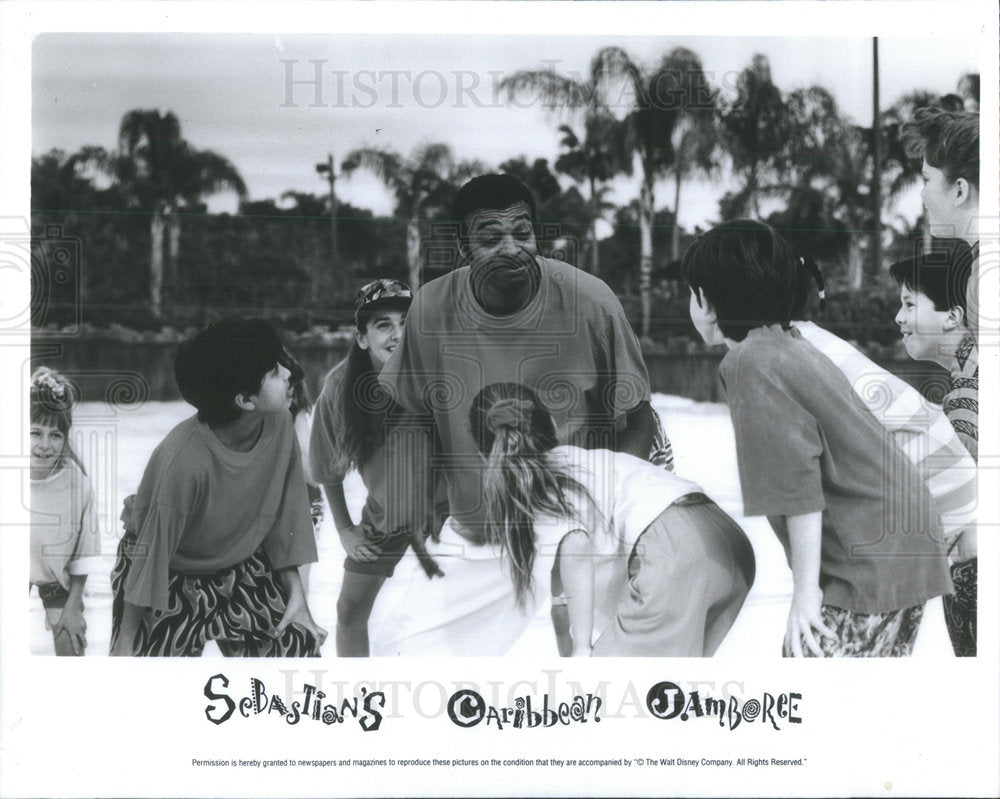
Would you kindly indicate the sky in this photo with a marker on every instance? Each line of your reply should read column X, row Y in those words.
column 254, row 97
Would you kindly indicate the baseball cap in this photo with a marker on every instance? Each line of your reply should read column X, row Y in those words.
column 383, row 291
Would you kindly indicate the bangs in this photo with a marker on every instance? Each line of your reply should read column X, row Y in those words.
column 47, row 417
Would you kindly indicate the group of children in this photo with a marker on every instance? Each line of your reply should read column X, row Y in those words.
column 870, row 490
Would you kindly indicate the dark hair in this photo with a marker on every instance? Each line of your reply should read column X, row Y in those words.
column 494, row 192
column 227, row 358
column 941, row 274
column 362, row 406
column 947, row 140
column 521, row 480
column 51, row 402
column 751, row 275
column 302, row 401
column 361, row 403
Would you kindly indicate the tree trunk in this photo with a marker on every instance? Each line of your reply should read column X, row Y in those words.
column 646, row 253
column 595, row 266
column 171, row 277
column 855, row 264
column 675, row 239
column 156, row 227
column 413, row 251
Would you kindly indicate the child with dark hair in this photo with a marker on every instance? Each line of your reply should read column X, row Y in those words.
column 948, row 144
column 933, row 320
column 858, row 524
column 349, row 432
column 64, row 535
column 220, row 523
column 688, row 565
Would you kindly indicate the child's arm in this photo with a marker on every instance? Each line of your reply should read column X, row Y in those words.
column 805, row 533
column 71, row 619
column 297, row 609
column 303, row 426
column 352, row 536
column 576, row 572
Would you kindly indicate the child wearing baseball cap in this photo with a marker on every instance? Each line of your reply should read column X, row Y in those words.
column 348, row 432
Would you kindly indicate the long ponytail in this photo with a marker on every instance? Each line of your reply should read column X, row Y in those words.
column 522, row 480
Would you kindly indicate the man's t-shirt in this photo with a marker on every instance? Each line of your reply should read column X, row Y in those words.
column 806, row 443
column 571, row 344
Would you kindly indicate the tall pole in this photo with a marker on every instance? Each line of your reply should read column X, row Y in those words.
column 876, row 262
column 330, row 171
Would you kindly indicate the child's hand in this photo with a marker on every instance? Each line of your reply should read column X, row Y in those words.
column 72, row 623
column 297, row 612
column 356, row 544
column 427, row 563
column 582, row 651
column 127, row 518
column 965, row 547
column 805, row 616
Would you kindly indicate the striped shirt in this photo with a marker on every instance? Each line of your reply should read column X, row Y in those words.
column 961, row 403
column 920, row 429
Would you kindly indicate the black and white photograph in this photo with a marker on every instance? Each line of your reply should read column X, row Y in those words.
column 499, row 399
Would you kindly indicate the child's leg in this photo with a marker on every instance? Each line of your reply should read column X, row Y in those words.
column 354, row 607
column 688, row 576
column 575, row 563
column 362, row 582
column 863, row 635
column 251, row 603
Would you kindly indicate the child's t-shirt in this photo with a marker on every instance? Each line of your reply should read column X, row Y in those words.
column 64, row 535
column 629, row 494
column 806, row 443
column 202, row 507
column 920, row 428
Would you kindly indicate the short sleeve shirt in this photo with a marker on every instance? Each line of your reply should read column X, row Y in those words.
column 202, row 507
column 806, row 443
column 571, row 344
column 65, row 539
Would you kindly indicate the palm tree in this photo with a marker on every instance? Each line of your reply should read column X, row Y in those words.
column 755, row 129
column 690, row 116
column 649, row 119
column 163, row 175
column 594, row 160
column 423, row 184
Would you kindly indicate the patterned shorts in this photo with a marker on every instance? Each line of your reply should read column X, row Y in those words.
column 238, row 607
column 860, row 635
column 960, row 609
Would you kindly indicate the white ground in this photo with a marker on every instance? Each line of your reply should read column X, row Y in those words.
column 116, row 446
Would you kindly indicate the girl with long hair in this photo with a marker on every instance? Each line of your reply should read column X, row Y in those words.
column 348, row 432
column 644, row 558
